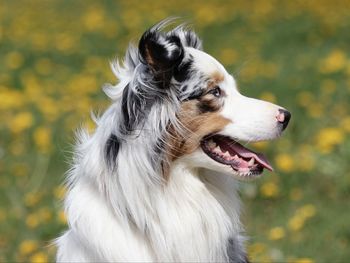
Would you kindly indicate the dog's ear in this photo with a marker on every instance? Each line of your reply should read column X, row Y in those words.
column 162, row 53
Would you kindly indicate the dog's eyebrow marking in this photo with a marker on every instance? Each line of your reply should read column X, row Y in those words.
column 217, row 76
column 112, row 149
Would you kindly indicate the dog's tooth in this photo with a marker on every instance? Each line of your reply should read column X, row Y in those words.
column 251, row 161
column 227, row 155
column 217, row 149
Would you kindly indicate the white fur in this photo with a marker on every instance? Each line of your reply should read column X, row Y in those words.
column 189, row 219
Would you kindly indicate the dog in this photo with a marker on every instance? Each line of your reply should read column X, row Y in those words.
column 157, row 180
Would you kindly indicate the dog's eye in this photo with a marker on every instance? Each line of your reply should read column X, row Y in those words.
column 215, row 91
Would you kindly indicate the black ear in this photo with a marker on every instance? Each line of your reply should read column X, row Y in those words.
column 162, row 53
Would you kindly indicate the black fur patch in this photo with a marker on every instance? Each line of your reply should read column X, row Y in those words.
column 234, row 253
column 112, row 149
column 156, row 54
column 182, row 72
column 192, row 40
column 133, row 109
column 128, row 117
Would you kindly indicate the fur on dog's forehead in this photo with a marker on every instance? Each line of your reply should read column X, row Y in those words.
column 206, row 71
column 205, row 63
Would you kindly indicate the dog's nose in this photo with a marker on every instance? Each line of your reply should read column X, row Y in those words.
column 283, row 117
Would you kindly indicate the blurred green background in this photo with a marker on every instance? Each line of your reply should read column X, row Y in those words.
column 55, row 57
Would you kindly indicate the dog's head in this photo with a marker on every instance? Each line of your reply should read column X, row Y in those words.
column 212, row 117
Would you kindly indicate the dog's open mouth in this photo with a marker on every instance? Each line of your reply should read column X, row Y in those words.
column 227, row 151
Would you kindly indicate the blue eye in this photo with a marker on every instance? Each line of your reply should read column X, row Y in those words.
column 216, row 92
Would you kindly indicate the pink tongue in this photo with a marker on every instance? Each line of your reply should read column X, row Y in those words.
column 244, row 152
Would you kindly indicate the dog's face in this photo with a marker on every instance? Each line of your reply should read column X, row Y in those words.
column 215, row 117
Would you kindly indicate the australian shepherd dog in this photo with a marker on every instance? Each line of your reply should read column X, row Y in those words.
column 157, row 180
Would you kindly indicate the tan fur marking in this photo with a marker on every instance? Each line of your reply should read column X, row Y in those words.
column 196, row 125
column 209, row 103
column 149, row 58
column 198, row 118
column 217, row 76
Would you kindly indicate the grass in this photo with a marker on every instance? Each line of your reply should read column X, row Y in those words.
column 54, row 59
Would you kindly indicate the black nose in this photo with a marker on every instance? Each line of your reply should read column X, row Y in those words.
column 283, row 117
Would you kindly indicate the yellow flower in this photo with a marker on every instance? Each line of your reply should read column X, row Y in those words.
column 21, row 122
column 307, row 211
column 82, row 85
column 301, row 215
column 32, row 221
column 334, row 62
column 42, row 139
column 269, row 189
column 276, row 233
column 39, row 257
column 32, row 199
column 10, row 99
column 285, row 162
column 65, row 42
column 45, row 214
column 328, row 138
column 268, row 96
column 27, row 247
column 93, row 19
column 256, row 248
column 304, row 260
column 296, row 223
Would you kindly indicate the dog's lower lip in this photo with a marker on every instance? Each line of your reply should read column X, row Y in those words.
column 227, row 151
